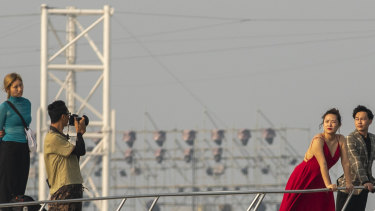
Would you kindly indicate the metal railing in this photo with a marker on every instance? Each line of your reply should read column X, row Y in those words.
column 260, row 194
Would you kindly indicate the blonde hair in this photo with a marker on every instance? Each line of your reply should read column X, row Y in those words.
column 9, row 79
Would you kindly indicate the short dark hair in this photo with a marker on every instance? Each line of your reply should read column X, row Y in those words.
column 361, row 108
column 56, row 109
column 333, row 111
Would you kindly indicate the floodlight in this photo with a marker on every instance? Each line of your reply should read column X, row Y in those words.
column 218, row 151
column 159, row 155
column 129, row 156
column 268, row 135
column 217, row 136
column 293, row 162
column 244, row 135
column 189, row 136
column 209, row 171
column 195, row 189
column 188, row 154
column 219, row 170
column 129, row 137
column 245, row 171
column 159, row 137
column 98, row 172
column 135, row 171
column 266, row 169
column 123, row 173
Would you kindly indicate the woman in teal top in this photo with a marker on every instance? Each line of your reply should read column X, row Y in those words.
column 14, row 150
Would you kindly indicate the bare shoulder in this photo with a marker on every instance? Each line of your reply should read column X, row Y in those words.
column 318, row 136
column 318, row 139
column 341, row 139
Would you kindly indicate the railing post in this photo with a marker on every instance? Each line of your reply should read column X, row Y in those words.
column 347, row 200
column 259, row 201
column 254, row 200
column 121, row 204
column 42, row 207
column 153, row 203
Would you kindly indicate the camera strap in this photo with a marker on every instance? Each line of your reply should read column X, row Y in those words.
column 16, row 110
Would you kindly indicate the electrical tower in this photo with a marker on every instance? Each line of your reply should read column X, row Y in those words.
column 63, row 69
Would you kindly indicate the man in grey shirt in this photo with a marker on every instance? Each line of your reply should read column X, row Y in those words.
column 361, row 154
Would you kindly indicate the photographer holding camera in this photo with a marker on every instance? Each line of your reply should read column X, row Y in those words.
column 62, row 157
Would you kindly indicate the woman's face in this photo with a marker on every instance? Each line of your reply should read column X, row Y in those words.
column 16, row 88
column 331, row 124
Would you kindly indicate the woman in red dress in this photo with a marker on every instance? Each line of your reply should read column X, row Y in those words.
column 324, row 151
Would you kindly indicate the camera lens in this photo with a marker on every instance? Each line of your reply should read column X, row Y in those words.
column 71, row 119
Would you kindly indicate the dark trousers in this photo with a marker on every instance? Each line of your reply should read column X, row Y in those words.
column 14, row 169
column 67, row 192
column 356, row 203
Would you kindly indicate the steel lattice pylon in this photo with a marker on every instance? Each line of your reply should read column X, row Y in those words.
column 60, row 72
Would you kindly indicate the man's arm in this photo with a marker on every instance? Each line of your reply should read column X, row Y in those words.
column 345, row 163
column 355, row 160
column 80, row 148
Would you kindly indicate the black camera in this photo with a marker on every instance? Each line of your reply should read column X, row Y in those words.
column 72, row 116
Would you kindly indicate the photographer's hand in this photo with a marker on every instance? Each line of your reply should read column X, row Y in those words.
column 80, row 125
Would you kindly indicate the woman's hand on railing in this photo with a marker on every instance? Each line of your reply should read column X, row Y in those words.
column 332, row 187
column 369, row 186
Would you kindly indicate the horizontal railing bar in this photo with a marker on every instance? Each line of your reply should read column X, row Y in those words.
column 208, row 193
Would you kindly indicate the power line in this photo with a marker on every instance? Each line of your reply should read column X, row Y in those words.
column 19, row 66
column 248, row 36
column 176, row 15
column 189, row 29
column 250, row 19
column 19, row 15
column 19, row 52
column 18, row 29
column 251, row 47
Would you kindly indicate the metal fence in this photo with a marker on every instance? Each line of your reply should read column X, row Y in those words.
column 253, row 206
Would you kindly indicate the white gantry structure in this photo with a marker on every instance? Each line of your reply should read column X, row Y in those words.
column 62, row 72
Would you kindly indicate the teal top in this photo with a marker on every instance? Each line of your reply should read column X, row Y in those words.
column 11, row 123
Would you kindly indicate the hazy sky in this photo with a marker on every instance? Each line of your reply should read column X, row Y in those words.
column 175, row 59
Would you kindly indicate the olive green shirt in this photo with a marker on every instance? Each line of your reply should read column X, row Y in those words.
column 61, row 165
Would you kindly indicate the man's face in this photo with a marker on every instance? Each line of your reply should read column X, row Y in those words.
column 362, row 122
column 65, row 118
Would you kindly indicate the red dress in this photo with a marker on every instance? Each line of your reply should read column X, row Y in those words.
column 307, row 175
